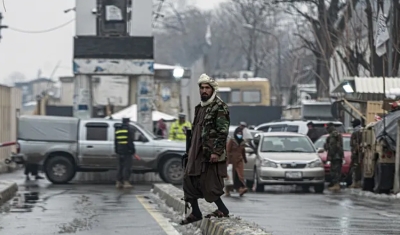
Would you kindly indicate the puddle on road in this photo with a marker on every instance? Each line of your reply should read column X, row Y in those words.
column 24, row 202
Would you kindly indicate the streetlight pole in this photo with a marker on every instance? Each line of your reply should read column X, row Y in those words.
column 248, row 26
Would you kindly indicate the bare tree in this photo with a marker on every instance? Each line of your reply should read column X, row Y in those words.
column 327, row 20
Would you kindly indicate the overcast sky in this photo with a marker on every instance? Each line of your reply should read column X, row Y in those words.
column 29, row 52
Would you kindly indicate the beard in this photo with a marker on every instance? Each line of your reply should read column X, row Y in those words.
column 205, row 97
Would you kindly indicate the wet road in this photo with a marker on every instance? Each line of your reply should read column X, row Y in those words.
column 285, row 210
column 82, row 209
column 101, row 209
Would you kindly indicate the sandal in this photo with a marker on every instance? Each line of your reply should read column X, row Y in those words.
column 243, row 191
column 216, row 213
column 190, row 219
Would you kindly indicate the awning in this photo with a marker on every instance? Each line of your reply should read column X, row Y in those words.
column 368, row 85
column 224, row 89
column 131, row 113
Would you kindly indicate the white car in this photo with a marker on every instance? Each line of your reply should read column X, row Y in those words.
column 298, row 126
column 283, row 158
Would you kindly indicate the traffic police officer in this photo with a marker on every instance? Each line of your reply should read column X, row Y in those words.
column 178, row 128
column 125, row 149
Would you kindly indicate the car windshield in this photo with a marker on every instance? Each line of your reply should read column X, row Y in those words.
column 321, row 141
column 300, row 144
column 148, row 133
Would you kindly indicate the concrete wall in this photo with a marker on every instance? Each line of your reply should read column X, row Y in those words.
column 10, row 106
column 85, row 23
column 167, row 95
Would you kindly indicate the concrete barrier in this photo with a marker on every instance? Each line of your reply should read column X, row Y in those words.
column 215, row 226
column 7, row 191
column 109, row 177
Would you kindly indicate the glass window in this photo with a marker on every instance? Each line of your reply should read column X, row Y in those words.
column 251, row 96
column 97, row 133
column 264, row 128
column 224, row 96
column 299, row 144
column 276, row 128
column 321, row 141
column 235, row 96
column 294, row 129
column 138, row 136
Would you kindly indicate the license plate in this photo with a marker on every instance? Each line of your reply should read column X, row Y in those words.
column 294, row 175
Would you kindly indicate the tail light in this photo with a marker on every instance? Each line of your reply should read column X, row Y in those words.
column 18, row 147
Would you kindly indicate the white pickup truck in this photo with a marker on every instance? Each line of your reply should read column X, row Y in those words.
column 66, row 145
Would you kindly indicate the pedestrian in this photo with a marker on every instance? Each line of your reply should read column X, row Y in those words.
column 178, row 128
column 246, row 133
column 206, row 165
column 312, row 132
column 335, row 154
column 33, row 169
column 355, row 142
column 125, row 149
column 236, row 155
column 161, row 128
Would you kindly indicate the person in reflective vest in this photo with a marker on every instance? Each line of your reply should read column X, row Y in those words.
column 178, row 128
column 125, row 149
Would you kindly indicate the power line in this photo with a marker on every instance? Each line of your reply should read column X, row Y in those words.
column 42, row 31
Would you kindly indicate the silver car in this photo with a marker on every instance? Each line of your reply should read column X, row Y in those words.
column 283, row 158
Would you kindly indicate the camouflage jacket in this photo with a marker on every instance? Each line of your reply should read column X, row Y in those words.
column 355, row 140
column 334, row 145
column 215, row 129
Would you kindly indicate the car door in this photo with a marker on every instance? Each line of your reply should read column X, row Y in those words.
column 249, row 166
column 145, row 149
column 95, row 146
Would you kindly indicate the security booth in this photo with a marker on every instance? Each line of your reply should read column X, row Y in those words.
column 371, row 99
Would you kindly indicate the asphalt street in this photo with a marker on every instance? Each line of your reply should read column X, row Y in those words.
column 102, row 209
column 286, row 210
column 81, row 209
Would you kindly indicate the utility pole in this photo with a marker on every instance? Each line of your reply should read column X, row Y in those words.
column 1, row 25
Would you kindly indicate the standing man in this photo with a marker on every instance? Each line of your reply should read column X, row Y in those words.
column 178, row 128
column 355, row 142
column 206, row 166
column 334, row 147
column 312, row 132
column 125, row 149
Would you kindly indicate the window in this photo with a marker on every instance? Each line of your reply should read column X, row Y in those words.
column 299, row 144
column 97, row 131
column 276, row 128
column 235, row 96
column 225, row 96
column 294, row 129
column 264, row 128
column 321, row 141
column 251, row 96
column 138, row 135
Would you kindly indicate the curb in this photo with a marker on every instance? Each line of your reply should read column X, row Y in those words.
column 221, row 226
column 7, row 191
column 377, row 196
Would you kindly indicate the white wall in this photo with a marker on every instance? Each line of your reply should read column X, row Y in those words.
column 142, row 18
column 85, row 23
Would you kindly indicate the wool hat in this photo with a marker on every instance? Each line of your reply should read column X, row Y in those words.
column 204, row 78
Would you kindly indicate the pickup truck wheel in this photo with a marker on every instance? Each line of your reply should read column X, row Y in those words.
column 60, row 170
column 172, row 171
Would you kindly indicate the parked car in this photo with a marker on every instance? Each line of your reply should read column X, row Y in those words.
column 297, row 126
column 346, row 174
column 283, row 158
column 66, row 145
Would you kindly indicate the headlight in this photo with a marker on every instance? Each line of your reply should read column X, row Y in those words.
column 316, row 163
column 267, row 163
column 329, row 162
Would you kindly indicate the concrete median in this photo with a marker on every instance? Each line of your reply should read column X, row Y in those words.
column 7, row 191
column 215, row 226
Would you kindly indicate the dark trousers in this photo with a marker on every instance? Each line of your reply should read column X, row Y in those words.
column 356, row 167
column 124, row 167
column 31, row 169
column 336, row 170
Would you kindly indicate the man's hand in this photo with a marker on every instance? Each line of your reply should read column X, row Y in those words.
column 214, row 158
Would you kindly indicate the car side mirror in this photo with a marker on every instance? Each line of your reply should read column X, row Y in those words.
column 249, row 150
column 320, row 150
